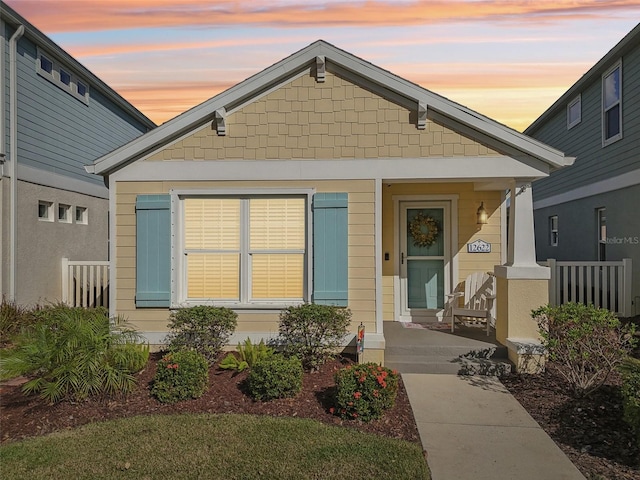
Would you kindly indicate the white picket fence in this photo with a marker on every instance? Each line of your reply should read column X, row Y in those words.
column 603, row 284
column 85, row 283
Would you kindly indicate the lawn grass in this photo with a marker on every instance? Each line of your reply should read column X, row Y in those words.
column 211, row 446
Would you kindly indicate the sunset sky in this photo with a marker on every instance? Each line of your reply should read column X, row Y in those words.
column 507, row 59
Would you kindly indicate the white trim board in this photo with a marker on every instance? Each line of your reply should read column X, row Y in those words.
column 604, row 186
column 430, row 168
column 62, row 182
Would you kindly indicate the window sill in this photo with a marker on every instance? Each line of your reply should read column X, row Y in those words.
column 246, row 307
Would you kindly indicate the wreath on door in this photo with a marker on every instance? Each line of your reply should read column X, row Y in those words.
column 424, row 230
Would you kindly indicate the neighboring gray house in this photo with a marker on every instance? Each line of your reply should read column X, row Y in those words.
column 591, row 210
column 56, row 116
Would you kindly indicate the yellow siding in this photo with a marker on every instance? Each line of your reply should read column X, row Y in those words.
column 330, row 120
column 361, row 250
column 468, row 230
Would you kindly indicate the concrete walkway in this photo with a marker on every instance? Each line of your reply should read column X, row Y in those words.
column 473, row 428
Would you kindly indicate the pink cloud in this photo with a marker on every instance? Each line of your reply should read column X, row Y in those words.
column 81, row 15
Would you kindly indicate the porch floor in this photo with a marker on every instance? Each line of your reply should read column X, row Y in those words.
column 415, row 349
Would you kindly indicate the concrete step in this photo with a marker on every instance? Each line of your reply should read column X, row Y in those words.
column 452, row 351
column 441, row 365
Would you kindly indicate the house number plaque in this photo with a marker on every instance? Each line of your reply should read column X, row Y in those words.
column 479, row 246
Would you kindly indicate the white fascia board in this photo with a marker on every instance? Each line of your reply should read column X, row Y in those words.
column 62, row 182
column 492, row 128
column 619, row 182
column 402, row 169
column 201, row 114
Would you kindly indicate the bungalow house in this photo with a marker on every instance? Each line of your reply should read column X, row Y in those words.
column 324, row 179
column 589, row 212
column 55, row 116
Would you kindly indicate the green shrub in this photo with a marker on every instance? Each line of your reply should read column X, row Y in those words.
column 275, row 377
column 73, row 353
column 313, row 332
column 248, row 355
column 585, row 342
column 203, row 328
column 630, row 370
column 180, row 375
column 365, row 391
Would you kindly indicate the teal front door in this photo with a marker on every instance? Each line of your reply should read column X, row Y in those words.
column 424, row 259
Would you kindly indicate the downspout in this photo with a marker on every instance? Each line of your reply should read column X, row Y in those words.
column 13, row 157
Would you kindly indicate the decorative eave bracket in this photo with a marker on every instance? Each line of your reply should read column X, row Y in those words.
column 422, row 116
column 320, row 68
column 219, row 120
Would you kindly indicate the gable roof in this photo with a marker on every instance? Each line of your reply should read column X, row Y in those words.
column 14, row 18
column 337, row 60
column 630, row 41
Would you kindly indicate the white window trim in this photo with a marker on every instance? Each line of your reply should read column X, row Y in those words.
column 54, row 77
column 85, row 215
column 67, row 210
column 576, row 100
column 553, row 239
column 615, row 138
column 49, row 217
column 178, row 271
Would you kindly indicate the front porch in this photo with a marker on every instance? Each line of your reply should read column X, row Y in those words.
column 416, row 348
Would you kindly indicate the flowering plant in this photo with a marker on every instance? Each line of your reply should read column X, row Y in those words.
column 180, row 375
column 365, row 391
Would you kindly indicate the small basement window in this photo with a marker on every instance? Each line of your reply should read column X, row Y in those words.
column 45, row 211
column 82, row 215
column 64, row 213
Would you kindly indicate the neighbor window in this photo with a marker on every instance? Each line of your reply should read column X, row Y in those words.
column 245, row 250
column 553, row 231
column 81, row 215
column 64, row 213
column 46, row 65
column 45, row 211
column 62, row 77
column 601, row 214
column 612, row 105
column 574, row 112
column 65, row 77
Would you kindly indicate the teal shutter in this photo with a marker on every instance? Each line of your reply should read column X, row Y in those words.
column 330, row 249
column 153, row 250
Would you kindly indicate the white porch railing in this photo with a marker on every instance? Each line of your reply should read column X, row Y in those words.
column 604, row 284
column 85, row 283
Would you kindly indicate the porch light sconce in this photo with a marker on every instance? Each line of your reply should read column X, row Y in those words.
column 482, row 215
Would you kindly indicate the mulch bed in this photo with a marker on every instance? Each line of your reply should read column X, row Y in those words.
column 23, row 417
column 590, row 430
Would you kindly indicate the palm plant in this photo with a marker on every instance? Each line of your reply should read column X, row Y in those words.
column 74, row 353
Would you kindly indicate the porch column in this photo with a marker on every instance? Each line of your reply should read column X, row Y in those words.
column 522, row 285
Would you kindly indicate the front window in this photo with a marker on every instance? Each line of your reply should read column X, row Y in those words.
column 612, row 105
column 249, row 250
